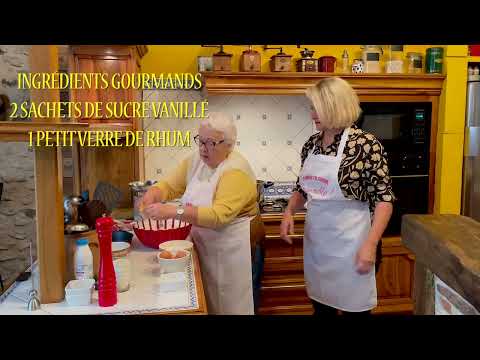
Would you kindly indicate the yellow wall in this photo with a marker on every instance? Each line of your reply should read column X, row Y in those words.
column 451, row 127
column 183, row 58
column 448, row 179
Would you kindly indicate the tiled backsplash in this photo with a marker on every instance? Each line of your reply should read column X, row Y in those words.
column 271, row 131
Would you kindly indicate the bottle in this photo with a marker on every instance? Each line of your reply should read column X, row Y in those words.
column 107, row 282
column 345, row 62
column 83, row 260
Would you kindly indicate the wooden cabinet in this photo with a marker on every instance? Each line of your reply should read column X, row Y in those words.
column 115, row 165
column 112, row 61
column 283, row 288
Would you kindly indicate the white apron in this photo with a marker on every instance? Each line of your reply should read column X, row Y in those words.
column 335, row 228
column 224, row 254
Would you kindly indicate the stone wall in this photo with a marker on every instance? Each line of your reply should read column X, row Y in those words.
column 17, row 205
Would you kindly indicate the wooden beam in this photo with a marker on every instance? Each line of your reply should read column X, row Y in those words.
column 49, row 210
column 44, row 59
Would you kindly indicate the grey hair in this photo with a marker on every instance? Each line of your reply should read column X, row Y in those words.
column 224, row 123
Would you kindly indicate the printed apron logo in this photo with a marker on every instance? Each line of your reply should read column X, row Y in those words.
column 316, row 184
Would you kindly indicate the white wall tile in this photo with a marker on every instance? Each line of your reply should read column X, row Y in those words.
column 287, row 119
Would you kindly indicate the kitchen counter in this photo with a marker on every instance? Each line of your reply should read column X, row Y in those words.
column 447, row 249
column 144, row 296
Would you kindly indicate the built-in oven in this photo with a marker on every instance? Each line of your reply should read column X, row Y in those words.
column 404, row 130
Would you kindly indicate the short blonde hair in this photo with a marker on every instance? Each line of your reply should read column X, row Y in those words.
column 335, row 102
column 224, row 123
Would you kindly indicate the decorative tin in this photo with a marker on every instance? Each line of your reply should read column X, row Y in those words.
column 434, row 61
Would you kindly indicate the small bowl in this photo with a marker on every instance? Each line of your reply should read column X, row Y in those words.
column 173, row 265
column 122, row 236
column 176, row 245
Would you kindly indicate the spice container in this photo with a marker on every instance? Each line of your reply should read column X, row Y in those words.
column 327, row 64
column 371, row 56
column 434, row 60
column 394, row 63
column 415, row 63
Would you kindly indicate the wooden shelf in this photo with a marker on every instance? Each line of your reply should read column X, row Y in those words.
column 283, row 83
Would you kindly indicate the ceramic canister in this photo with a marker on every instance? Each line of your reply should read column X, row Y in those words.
column 357, row 66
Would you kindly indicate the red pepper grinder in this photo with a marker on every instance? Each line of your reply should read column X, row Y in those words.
column 107, row 283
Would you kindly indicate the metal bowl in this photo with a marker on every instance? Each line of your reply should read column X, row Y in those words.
column 77, row 228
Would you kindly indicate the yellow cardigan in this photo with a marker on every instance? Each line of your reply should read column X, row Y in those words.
column 236, row 194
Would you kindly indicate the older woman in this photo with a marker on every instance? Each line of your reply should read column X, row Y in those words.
column 220, row 200
column 344, row 179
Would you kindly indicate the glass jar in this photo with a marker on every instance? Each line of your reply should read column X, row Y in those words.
column 394, row 63
column 371, row 56
column 415, row 63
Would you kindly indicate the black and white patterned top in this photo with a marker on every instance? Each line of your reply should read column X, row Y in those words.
column 363, row 173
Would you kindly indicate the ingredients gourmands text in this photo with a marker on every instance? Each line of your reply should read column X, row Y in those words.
column 84, row 83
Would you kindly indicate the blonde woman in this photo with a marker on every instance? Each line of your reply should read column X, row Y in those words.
column 219, row 197
column 345, row 184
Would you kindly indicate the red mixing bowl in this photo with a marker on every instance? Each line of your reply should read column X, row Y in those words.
column 151, row 234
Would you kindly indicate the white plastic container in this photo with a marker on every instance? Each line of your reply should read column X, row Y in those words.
column 79, row 292
column 83, row 260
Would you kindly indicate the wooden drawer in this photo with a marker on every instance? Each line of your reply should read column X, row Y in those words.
column 283, row 289
column 284, row 293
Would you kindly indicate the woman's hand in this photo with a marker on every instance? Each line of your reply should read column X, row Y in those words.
column 287, row 226
column 159, row 211
column 365, row 258
column 153, row 195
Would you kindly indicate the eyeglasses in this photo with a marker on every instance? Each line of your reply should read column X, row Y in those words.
column 209, row 144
